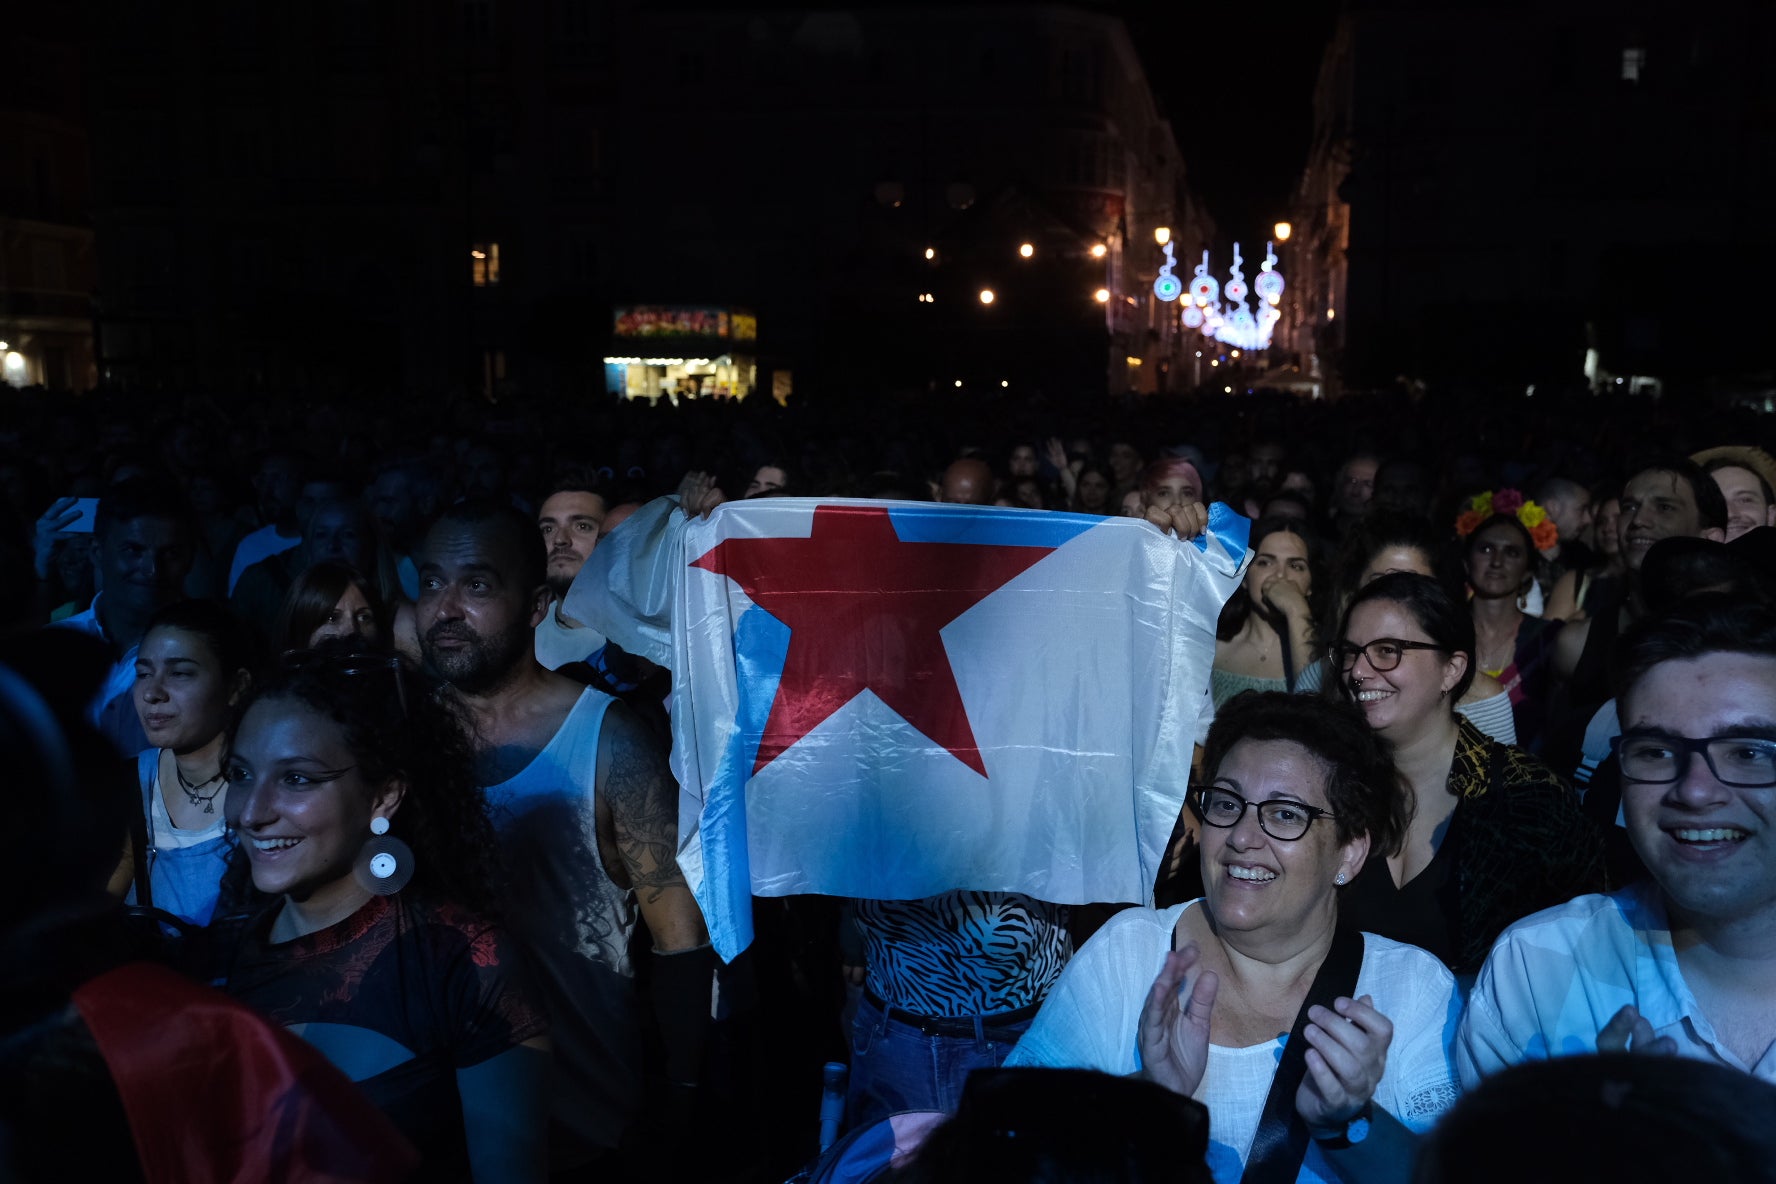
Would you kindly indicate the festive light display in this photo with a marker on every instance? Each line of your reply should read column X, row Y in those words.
column 1235, row 323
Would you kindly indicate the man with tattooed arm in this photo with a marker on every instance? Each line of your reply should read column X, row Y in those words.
column 587, row 814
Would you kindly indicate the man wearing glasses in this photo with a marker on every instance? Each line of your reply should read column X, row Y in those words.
column 1684, row 963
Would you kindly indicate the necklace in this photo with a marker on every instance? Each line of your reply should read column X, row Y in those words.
column 1255, row 639
column 206, row 800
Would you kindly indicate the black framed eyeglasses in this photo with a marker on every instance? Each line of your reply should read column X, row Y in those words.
column 1652, row 758
column 351, row 662
column 1384, row 653
column 1280, row 818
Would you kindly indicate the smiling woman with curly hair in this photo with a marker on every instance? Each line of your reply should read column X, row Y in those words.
column 349, row 785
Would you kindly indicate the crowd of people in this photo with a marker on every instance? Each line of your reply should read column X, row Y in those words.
column 1487, row 777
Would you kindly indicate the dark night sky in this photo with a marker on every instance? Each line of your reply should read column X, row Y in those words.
column 1245, row 143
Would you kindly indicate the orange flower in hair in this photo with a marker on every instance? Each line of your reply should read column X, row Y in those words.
column 1534, row 519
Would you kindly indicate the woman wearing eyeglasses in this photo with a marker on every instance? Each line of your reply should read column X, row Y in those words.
column 379, row 952
column 1300, row 797
column 1495, row 834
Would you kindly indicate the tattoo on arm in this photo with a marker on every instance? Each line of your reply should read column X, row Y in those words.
column 643, row 801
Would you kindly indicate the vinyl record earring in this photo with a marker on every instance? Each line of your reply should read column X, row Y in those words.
column 384, row 864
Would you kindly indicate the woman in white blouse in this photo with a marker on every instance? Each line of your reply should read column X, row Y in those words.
column 1299, row 794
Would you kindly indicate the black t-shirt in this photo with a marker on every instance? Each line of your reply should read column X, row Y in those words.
column 434, row 979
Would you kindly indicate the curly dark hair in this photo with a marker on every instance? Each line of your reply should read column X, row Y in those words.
column 1367, row 793
column 398, row 722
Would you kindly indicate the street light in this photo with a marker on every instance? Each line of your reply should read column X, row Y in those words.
column 1099, row 250
column 1283, row 231
column 930, row 252
column 1026, row 250
column 986, row 296
column 1162, row 235
column 1102, row 295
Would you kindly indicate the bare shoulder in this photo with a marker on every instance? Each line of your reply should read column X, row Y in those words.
column 1569, row 646
column 546, row 705
column 1563, row 598
column 557, row 694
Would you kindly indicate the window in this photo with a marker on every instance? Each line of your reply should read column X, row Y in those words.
column 484, row 264
column 1633, row 62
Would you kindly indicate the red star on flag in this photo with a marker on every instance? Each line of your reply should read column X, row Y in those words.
column 864, row 611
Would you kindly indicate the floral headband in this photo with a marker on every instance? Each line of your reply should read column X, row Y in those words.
column 1482, row 506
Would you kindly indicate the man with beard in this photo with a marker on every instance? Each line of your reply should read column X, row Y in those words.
column 1747, row 480
column 587, row 814
column 571, row 519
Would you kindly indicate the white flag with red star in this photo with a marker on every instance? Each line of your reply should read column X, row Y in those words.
column 892, row 700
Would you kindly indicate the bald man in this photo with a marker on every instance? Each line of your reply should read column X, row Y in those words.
column 967, row 482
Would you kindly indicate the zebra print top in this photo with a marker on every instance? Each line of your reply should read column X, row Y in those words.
column 964, row 953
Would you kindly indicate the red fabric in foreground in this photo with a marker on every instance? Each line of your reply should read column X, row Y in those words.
column 216, row 1094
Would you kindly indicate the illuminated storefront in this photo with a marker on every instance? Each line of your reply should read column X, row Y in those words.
column 667, row 351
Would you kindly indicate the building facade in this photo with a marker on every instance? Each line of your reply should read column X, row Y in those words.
column 48, row 273
column 1493, row 193
column 462, row 196
column 353, row 196
column 910, row 195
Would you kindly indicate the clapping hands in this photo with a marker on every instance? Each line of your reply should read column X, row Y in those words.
column 1346, row 1056
column 1629, row 1031
column 1174, row 1033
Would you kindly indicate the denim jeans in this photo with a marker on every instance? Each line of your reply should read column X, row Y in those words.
column 895, row 1066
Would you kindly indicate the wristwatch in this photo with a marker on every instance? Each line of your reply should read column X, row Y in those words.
column 1354, row 1131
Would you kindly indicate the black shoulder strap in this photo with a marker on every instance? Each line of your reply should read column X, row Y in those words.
column 1281, row 1142
column 139, row 840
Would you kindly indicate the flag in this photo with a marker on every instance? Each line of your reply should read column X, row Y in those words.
column 892, row 700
